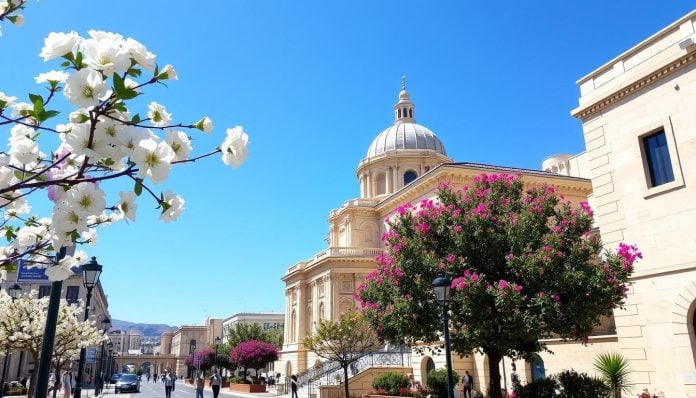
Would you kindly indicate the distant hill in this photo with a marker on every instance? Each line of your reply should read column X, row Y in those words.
column 144, row 329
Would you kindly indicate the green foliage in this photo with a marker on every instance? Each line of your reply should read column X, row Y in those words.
column 242, row 332
column 437, row 382
column 615, row 371
column 542, row 388
column 239, row 380
column 581, row 385
column 391, row 382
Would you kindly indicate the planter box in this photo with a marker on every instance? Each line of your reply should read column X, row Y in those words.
column 248, row 388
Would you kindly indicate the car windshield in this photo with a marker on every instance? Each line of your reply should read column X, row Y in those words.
column 128, row 378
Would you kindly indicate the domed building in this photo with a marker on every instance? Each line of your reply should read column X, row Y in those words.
column 404, row 163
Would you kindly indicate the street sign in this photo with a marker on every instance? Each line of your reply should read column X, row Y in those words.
column 90, row 355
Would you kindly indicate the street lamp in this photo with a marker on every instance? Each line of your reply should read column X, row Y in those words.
column 218, row 340
column 106, row 325
column 109, row 366
column 441, row 289
column 14, row 291
column 90, row 277
column 49, row 336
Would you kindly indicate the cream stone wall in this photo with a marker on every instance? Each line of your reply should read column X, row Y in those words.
column 650, row 87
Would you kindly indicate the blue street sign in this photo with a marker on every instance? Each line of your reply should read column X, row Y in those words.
column 25, row 273
column 90, row 355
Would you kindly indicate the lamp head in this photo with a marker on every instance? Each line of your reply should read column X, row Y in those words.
column 441, row 288
column 90, row 273
column 15, row 290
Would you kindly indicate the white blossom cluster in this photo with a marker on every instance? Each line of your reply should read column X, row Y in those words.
column 101, row 140
column 9, row 9
column 23, row 320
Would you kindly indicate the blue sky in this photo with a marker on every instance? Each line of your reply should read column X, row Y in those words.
column 313, row 82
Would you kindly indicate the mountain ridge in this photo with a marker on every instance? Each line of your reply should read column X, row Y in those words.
column 143, row 329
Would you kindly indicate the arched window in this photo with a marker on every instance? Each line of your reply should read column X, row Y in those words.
column 427, row 365
column 410, row 113
column 409, row 176
column 399, row 113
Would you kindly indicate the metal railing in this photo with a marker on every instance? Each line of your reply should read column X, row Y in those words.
column 331, row 372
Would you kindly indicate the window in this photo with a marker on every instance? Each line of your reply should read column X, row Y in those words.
column 657, row 159
column 265, row 326
column 381, row 183
column 409, row 176
column 44, row 291
column 72, row 293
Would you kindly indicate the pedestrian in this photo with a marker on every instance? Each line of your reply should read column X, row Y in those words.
column 215, row 382
column 168, row 380
column 468, row 382
column 200, row 383
column 67, row 381
column 154, row 378
column 293, row 386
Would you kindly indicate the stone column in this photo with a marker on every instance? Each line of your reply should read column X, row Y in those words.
column 301, row 312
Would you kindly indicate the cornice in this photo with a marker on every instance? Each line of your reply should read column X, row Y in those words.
column 644, row 82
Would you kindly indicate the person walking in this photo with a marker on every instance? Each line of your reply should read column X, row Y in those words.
column 468, row 382
column 215, row 382
column 293, row 386
column 67, row 381
column 154, row 378
column 168, row 379
column 200, row 384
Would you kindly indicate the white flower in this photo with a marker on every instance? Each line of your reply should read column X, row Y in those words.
column 89, row 237
column 78, row 139
column 180, row 143
column 24, row 150
column 140, row 54
column 6, row 100
column 127, row 205
column 85, row 88
column 173, row 208
column 58, row 273
column 58, row 44
column 234, row 148
column 106, row 54
column 169, row 73
column 86, row 199
column 158, row 115
column 154, row 159
column 55, row 76
column 205, row 125
column 66, row 219
column 130, row 136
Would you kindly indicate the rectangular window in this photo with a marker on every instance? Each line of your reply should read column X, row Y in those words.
column 657, row 158
column 265, row 326
column 72, row 293
column 44, row 291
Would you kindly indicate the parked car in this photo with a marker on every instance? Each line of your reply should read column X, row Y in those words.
column 115, row 377
column 127, row 382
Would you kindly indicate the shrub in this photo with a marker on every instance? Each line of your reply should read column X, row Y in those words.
column 437, row 382
column 542, row 388
column 238, row 380
column 391, row 382
column 581, row 385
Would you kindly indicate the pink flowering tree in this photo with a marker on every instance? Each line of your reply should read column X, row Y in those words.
column 525, row 265
column 254, row 354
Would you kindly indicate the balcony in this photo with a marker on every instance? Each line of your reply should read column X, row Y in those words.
column 336, row 252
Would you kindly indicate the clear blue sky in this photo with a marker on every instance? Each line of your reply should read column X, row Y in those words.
column 313, row 82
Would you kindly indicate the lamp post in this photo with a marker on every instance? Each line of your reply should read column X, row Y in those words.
column 441, row 289
column 49, row 336
column 14, row 291
column 218, row 340
column 109, row 365
column 106, row 325
column 90, row 277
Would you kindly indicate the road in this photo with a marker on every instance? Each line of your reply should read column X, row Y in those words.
column 156, row 390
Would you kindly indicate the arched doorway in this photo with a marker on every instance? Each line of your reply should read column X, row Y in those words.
column 538, row 370
column 427, row 364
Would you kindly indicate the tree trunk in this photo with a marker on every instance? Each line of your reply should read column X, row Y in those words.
column 345, row 380
column 494, row 358
column 32, row 378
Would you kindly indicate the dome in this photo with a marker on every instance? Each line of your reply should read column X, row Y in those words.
column 403, row 136
column 405, row 133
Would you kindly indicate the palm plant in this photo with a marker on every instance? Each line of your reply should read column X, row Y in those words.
column 613, row 368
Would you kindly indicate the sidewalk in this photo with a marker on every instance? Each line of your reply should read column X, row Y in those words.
column 270, row 392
